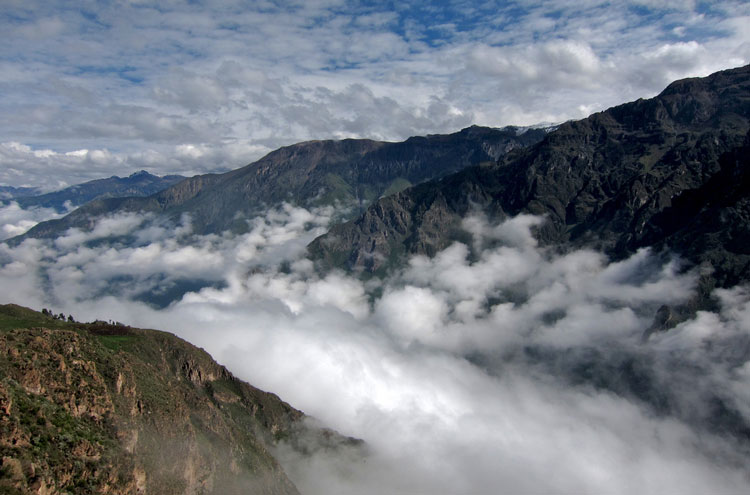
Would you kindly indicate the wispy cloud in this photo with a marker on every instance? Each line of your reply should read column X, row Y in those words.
column 139, row 79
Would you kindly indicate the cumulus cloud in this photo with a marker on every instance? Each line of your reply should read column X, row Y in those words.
column 492, row 367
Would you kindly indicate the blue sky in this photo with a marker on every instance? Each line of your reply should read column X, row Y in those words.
column 91, row 89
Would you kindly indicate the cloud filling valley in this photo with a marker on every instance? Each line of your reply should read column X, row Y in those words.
column 495, row 367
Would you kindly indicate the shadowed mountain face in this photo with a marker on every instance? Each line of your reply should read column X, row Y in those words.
column 351, row 172
column 665, row 172
column 138, row 184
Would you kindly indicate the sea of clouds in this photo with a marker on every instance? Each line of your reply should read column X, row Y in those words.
column 495, row 367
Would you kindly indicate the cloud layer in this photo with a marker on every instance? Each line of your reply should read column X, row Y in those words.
column 113, row 87
column 516, row 371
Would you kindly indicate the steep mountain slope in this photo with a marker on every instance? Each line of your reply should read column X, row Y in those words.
column 138, row 184
column 105, row 408
column 640, row 174
column 312, row 173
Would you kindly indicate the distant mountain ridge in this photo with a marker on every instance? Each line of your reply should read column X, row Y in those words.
column 137, row 184
column 10, row 192
column 350, row 172
column 669, row 172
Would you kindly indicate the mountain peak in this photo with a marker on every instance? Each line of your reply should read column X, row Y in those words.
column 140, row 173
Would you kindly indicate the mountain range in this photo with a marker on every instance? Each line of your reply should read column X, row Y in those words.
column 135, row 185
column 351, row 173
column 10, row 192
column 646, row 173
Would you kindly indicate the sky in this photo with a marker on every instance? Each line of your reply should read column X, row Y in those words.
column 90, row 89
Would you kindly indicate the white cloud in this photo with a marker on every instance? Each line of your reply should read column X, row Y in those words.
column 413, row 313
column 15, row 220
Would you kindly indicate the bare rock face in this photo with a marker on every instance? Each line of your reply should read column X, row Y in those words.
column 667, row 172
column 100, row 408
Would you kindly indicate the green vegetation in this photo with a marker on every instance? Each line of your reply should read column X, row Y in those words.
column 398, row 185
column 50, row 439
column 118, row 342
column 336, row 189
column 13, row 316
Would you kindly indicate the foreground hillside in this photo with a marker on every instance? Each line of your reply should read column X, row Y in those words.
column 106, row 408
